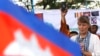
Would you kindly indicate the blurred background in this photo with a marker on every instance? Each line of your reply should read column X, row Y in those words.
column 48, row 10
column 55, row 4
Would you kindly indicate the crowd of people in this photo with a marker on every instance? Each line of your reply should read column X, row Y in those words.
column 87, row 38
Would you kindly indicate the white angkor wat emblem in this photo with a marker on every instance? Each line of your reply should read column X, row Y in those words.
column 24, row 47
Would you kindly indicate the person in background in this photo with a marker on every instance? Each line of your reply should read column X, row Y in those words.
column 73, row 33
column 64, row 26
column 89, row 43
column 93, row 29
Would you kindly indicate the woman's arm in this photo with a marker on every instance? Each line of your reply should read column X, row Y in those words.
column 96, row 43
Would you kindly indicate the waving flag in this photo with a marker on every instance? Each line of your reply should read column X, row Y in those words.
column 21, row 33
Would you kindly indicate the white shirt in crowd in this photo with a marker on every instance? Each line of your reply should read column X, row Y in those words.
column 94, row 44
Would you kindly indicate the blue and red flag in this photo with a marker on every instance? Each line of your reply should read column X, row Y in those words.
column 21, row 33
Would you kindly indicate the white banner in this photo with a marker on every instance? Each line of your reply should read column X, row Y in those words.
column 53, row 17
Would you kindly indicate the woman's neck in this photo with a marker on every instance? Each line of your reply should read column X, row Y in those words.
column 83, row 35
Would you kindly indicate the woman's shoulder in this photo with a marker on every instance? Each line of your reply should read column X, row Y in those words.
column 94, row 37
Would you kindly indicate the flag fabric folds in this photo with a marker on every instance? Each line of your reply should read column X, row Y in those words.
column 21, row 33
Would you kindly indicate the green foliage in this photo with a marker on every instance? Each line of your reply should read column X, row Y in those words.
column 56, row 5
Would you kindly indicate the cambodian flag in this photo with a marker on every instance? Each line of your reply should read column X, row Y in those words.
column 22, row 34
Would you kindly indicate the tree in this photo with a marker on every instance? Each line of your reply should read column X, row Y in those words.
column 55, row 5
column 51, row 3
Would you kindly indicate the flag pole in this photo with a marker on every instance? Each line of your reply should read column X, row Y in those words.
column 32, row 5
column 86, row 4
